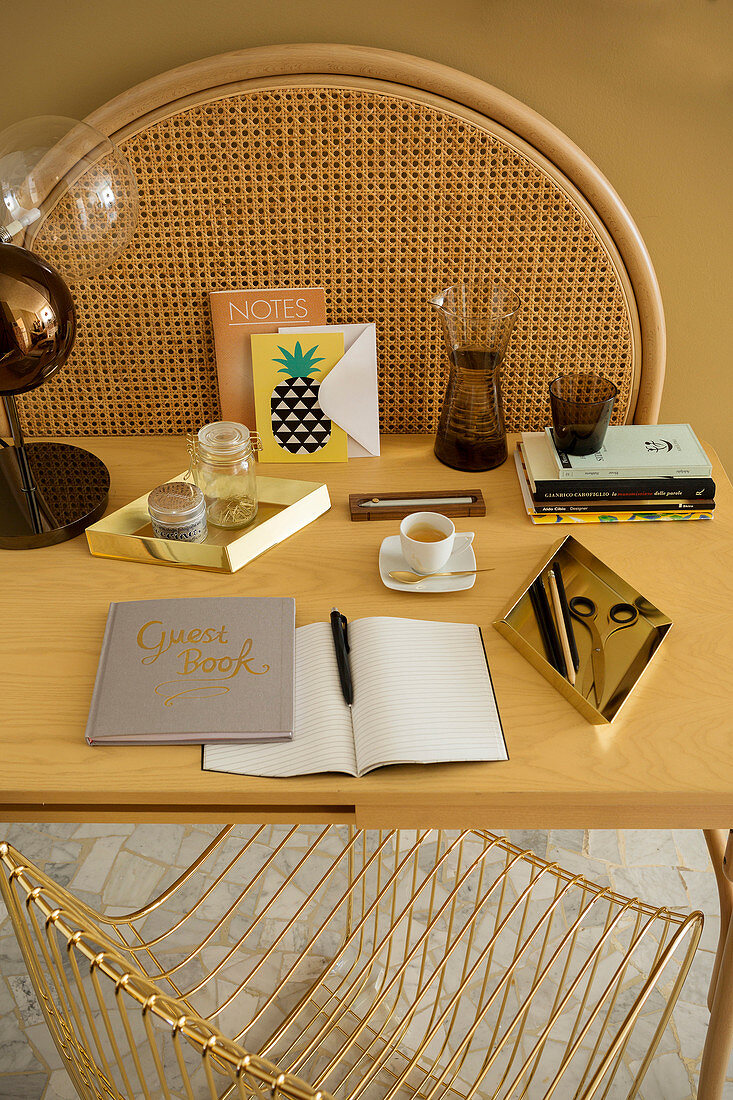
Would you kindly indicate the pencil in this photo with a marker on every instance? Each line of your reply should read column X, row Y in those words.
column 560, row 619
column 542, row 613
column 569, row 629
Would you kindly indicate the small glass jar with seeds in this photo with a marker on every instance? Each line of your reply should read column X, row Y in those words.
column 223, row 466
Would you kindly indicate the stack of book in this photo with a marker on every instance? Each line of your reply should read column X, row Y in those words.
column 642, row 472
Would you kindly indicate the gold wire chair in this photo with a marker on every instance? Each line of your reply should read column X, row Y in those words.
column 386, row 964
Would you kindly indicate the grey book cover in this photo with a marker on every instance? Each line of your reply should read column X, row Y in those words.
column 637, row 450
column 195, row 671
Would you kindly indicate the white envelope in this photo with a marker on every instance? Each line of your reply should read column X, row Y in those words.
column 348, row 393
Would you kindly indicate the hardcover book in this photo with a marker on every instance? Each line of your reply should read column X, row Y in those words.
column 546, row 484
column 422, row 695
column 637, row 450
column 195, row 670
column 661, row 510
column 235, row 315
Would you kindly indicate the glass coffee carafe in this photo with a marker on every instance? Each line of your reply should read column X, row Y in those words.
column 478, row 317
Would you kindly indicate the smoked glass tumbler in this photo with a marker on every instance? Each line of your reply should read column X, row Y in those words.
column 581, row 404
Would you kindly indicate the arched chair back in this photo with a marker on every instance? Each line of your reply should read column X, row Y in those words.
column 382, row 178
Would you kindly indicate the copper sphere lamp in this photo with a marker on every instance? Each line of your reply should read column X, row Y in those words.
column 66, row 189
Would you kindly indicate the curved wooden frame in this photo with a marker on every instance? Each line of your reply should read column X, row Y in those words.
column 265, row 63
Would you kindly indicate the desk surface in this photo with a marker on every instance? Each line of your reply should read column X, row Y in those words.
column 667, row 761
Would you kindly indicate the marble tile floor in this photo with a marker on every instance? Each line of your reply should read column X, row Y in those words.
column 124, row 865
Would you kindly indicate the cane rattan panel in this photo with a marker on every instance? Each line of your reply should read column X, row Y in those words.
column 381, row 200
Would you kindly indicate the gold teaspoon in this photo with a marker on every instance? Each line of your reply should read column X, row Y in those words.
column 404, row 576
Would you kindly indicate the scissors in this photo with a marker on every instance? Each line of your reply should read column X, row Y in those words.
column 621, row 615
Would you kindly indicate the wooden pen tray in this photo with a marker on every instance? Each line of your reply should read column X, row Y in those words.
column 628, row 652
column 451, row 503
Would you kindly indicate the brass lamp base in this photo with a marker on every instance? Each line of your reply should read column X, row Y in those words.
column 69, row 489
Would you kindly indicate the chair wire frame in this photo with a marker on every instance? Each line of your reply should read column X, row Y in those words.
column 299, row 962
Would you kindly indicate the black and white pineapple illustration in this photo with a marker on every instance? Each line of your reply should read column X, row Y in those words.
column 299, row 424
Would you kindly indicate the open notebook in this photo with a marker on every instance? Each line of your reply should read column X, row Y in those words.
column 422, row 695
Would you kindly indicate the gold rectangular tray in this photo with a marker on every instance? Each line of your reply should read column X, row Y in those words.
column 285, row 506
column 628, row 651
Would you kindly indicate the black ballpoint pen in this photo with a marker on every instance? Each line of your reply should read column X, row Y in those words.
column 339, row 629
column 546, row 624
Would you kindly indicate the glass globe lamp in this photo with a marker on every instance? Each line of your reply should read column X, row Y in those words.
column 68, row 208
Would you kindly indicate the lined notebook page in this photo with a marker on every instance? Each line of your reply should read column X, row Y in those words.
column 422, row 694
column 323, row 739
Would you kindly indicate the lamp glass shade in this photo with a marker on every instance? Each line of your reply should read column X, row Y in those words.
column 67, row 193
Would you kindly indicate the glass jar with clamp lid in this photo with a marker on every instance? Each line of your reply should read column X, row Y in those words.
column 223, row 466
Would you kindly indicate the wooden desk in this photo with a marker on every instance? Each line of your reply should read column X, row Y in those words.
column 666, row 762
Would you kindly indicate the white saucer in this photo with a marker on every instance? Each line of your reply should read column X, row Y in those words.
column 390, row 558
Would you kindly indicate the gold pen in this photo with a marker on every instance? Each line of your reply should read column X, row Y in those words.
column 561, row 629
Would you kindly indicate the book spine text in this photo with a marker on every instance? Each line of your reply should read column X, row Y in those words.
column 683, row 488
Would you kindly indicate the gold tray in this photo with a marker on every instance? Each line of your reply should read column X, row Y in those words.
column 628, row 651
column 285, row 507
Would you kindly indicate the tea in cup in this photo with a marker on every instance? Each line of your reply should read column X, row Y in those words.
column 428, row 539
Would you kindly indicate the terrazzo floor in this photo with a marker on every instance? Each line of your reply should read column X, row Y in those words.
column 124, row 865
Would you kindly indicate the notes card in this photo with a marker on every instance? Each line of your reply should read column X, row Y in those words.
column 235, row 315
column 287, row 372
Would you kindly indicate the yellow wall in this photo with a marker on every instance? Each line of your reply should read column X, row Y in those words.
column 642, row 86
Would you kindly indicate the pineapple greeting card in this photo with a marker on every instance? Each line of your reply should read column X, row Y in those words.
column 287, row 372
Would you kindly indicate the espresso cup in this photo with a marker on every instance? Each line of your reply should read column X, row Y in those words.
column 428, row 539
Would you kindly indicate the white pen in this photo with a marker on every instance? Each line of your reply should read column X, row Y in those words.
column 376, row 502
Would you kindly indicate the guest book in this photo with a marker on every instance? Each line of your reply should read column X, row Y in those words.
column 422, row 695
column 195, row 670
